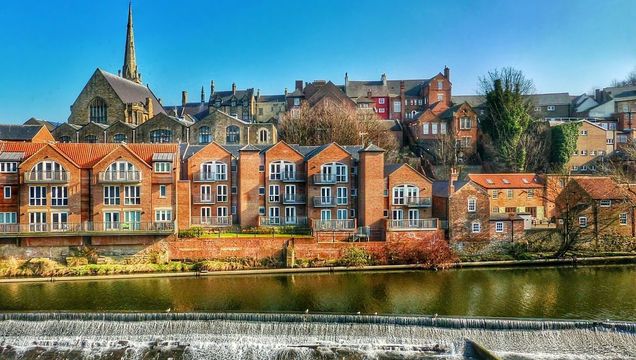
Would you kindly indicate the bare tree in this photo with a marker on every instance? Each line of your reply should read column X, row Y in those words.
column 329, row 123
column 630, row 80
column 536, row 141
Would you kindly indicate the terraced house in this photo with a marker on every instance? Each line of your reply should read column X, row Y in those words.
column 81, row 194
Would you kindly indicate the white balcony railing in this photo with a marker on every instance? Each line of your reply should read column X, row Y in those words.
column 331, row 225
column 282, row 221
column 324, row 201
column 413, row 224
column 120, row 176
column 205, row 176
column 46, row 176
column 87, row 227
column 213, row 221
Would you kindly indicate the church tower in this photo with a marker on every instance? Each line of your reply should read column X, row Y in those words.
column 129, row 71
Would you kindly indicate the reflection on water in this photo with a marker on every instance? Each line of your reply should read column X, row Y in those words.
column 586, row 292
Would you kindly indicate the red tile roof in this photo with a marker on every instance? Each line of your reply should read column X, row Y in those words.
column 83, row 154
column 507, row 181
column 145, row 151
column 604, row 188
column 25, row 147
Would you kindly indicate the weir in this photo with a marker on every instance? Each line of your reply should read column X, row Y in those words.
column 303, row 336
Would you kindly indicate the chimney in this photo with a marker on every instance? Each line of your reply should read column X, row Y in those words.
column 119, row 73
column 383, row 79
column 184, row 98
column 299, row 85
column 346, row 79
column 149, row 106
column 369, row 93
column 258, row 94
column 447, row 73
column 233, row 88
column 211, row 88
column 451, row 181
column 202, row 95
column 285, row 92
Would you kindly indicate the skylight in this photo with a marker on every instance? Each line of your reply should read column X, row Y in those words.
column 506, row 181
column 490, row 181
column 525, row 181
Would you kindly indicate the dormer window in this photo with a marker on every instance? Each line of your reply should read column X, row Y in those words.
column 233, row 103
column 217, row 103
column 162, row 167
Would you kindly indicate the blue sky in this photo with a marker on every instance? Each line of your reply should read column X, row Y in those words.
column 50, row 48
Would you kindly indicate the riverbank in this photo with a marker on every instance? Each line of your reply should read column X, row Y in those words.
column 570, row 261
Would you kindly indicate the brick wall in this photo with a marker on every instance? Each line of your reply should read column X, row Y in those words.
column 371, row 199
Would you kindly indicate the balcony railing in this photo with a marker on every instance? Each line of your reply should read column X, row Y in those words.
column 86, row 228
column 414, row 201
column 199, row 199
column 209, row 177
column 324, row 179
column 46, row 176
column 282, row 221
column 324, row 201
column 212, row 221
column 413, row 224
column 288, row 176
column 334, row 225
column 294, row 199
column 120, row 176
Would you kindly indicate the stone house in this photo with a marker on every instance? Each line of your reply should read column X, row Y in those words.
column 593, row 145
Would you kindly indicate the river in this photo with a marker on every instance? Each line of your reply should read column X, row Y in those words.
column 591, row 292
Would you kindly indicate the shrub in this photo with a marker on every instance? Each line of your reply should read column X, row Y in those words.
column 193, row 232
column 158, row 256
column 355, row 256
column 76, row 261
column 518, row 251
column 435, row 253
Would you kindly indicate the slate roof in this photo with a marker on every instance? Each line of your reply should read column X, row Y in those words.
column 18, row 132
column 472, row 100
column 307, row 151
column 411, row 87
column 131, row 92
column 440, row 187
column 241, row 97
column 625, row 94
column 355, row 88
column 192, row 109
column 49, row 124
column 551, row 99
column 391, row 125
column 604, row 188
column 271, row 98
column 390, row 168
column 507, row 181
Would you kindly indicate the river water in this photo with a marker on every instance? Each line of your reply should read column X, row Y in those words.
column 279, row 316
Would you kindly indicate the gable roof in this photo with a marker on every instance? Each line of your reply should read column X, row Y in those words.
column 603, row 188
column 19, row 132
column 550, row 99
column 131, row 92
column 507, row 181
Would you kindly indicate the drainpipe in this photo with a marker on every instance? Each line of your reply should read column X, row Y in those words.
column 595, row 225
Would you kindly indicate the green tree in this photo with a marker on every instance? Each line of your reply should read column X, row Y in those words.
column 564, row 139
column 508, row 115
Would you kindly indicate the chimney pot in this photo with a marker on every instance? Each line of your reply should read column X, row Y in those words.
column 299, row 85
column 233, row 88
column 447, row 73
column 211, row 88
column 184, row 98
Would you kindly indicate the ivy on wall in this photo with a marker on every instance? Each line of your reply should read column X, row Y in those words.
column 564, row 139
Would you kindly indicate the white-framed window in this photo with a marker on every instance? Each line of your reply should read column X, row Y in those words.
column 606, row 203
column 205, row 192
column 163, row 191
column 37, row 221
column 530, row 193
column 442, row 128
column 261, row 190
column 8, row 167
column 465, row 123
column 274, row 215
column 475, row 227
column 583, row 133
column 37, row 195
column 8, row 218
column 434, row 128
column 221, row 193
column 214, row 171
column 59, row 220
column 397, row 106
column 342, row 214
column 337, row 171
column 381, row 101
column 325, row 214
column 622, row 218
column 111, row 195
column 352, row 213
column 610, row 141
column 440, row 84
column 537, row 108
column 59, row 195
column 111, row 220
column 282, row 170
column 341, row 196
column 261, row 210
column 440, row 97
column 221, row 211
column 296, row 101
column 499, row 226
column 132, row 195
column 582, row 221
column 381, row 110
column 583, row 152
column 290, row 215
column 274, row 193
column 551, row 108
column 472, row 204
column 162, row 167
column 510, row 193
column 7, row 192
column 121, row 170
column 163, row 215
column 402, row 193
column 495, row 194
column 263, row 136
column 354, row 192
column 425, row 127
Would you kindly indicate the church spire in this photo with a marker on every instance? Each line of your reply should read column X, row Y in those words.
column 129, row 70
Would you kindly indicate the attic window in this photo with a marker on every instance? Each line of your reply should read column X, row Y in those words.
column 606, row 203
column 506, row 181
column 490, row 181
column 525, row 181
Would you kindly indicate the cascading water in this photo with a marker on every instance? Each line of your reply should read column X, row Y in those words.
column 302, row 336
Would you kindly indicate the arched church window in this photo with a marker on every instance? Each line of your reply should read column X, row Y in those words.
column 98, row 111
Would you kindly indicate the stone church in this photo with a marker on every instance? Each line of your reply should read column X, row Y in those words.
column 119, row 108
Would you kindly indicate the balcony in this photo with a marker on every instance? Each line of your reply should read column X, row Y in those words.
column 120, row 177
column 86, row 229
column 291, row 199
column 324, row 201
column 282, row 221
column 413, row 224
column 334, row 225
column 47, row 176
column 288, row 176
column 211, row 221
column 324, row 179
column 205, row 200
column 209, row 177
column 418, row 202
